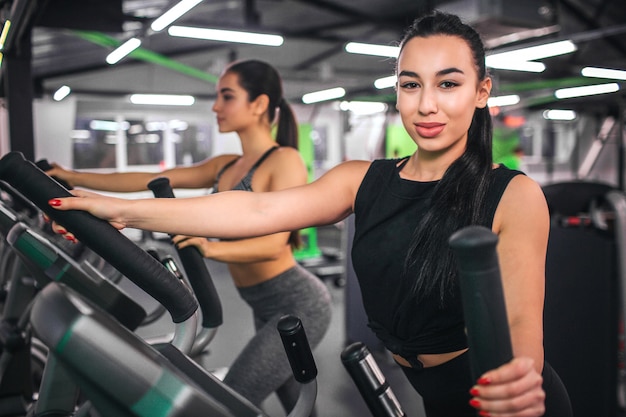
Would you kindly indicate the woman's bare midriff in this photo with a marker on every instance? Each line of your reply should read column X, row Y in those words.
column 430, row 359
column 249, row 274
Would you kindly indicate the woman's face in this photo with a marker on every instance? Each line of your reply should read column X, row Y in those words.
column 438, row 91
column 233, row 110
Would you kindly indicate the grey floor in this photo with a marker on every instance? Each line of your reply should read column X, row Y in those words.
column 337, row 394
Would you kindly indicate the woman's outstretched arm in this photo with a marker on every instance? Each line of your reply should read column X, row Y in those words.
column 232, row 214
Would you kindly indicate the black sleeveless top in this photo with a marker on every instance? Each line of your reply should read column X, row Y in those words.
column 387, row 211
column 246, row 182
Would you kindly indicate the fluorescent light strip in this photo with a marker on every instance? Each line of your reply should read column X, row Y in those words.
column 511, row 65
column 386, row 82
column 173, row 14
column 162, row 99
column 502, row 101
column 537, row 52
column 61, row 93
column 559, row 115
column 372, row 49
column 587, row 90
column 363, row 108
column 107, row 125
column 5, row 33
column 123, row 50
column 226, row 35
column 612, row 74
column 323, row 95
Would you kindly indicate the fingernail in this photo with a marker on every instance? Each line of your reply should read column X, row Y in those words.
column 484, row 381
column 55, row 202
column 474, row 392
column 61, row 231
column 484, row 414
column 474, row 403
column 71, row 239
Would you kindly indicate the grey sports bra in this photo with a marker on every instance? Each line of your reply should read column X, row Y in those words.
column 246, row 182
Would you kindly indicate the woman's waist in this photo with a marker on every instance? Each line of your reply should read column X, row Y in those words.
column 253, row 273
column 427, row 360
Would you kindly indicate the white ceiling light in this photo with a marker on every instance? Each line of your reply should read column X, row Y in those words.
column 386, row 82
column 612, row 74
column 587, row 90
column 123, row 50
column 502, row 101
column 372, row 49
column 226, row 35
column 61, row 93
column 533, row 53
column 363, row 108
column 521, row 59
column 323, row 95
column 108, row 125
column 508, row 64
column 162, row 99
column 566, row 115
column 173, row 14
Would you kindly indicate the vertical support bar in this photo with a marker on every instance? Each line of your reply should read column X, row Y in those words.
column 18, row 86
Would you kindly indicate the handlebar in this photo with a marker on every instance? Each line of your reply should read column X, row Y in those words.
column 482, row 296
column 100, row 236
column 195, row 267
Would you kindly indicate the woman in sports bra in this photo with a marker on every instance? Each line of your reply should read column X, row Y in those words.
column 264, row 270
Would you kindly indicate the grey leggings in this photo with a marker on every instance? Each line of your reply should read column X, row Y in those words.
column 262, row 366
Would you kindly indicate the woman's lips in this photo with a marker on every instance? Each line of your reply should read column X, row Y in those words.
column 429, row 130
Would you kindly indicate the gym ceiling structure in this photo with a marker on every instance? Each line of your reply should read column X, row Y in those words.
column 52, row 43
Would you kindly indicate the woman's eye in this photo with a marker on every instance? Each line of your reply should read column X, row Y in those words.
column 448, row 84
column 409, row 84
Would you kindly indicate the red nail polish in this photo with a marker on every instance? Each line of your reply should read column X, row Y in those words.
column 61, row 231
column 474, row 392
column 484, row 414
column 484, row 381
column 474, row 403
column 55, row 202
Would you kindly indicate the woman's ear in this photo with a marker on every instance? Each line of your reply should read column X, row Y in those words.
column 484, row 91
column 261, row 104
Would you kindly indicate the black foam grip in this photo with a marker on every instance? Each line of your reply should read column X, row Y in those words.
column 195, row 267
column 483, row 298
column 44, row 165
column 297, row 348
column 100, row 236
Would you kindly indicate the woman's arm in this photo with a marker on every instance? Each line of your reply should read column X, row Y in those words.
column 232, row 214
column 255, row 249
column 522, row 224
column 200, row 175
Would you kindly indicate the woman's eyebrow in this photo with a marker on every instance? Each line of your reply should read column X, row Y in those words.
column 445, row 71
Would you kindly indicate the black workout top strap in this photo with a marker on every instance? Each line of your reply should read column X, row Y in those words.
column 246, row 182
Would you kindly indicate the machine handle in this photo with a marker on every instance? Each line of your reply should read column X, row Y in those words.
column 100, row 236
column 370, row 381
column 297, row 348
column 484, row 307
column 195, row 267
column 44, row 165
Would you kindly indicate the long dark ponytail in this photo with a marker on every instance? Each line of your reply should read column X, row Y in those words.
column 258, row 77
column 458, row 199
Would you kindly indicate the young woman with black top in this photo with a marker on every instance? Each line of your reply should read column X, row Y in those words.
column 405, row 211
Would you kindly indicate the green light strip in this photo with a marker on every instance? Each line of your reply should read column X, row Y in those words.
column 147, row 56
